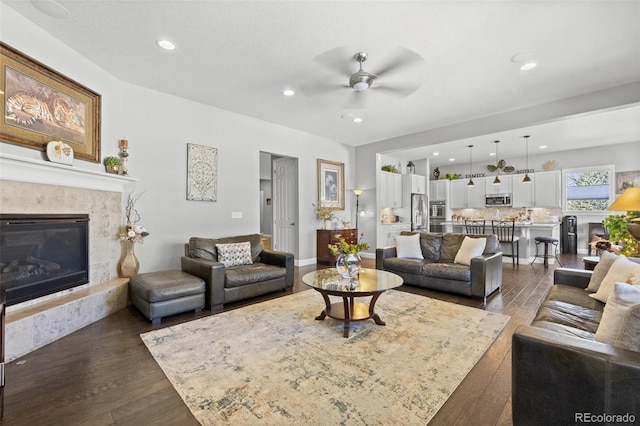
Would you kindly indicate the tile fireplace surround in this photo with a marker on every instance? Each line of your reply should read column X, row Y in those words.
column 34, row 186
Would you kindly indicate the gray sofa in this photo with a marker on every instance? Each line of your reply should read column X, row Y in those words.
column 270, row 270
column 559, row 371
column 437, row 271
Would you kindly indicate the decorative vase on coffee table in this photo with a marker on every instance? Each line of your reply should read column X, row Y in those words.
column 348, row 266
column 129, row 265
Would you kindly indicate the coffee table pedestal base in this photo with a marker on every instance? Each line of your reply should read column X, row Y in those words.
column 349, row 311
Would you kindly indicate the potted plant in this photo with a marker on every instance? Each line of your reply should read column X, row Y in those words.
column 619, row 232
column 112, row 164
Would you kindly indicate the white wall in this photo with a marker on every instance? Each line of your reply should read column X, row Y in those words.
column 158, row 127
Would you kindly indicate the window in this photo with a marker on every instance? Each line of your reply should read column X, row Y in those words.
column 588, row 189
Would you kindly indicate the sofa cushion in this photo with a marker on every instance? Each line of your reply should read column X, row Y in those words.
column 629, row 335
column 622, row 299
column 408, row 266
column 570, row 315
column 623, row 270
column 471, row 247
column 450, row 245
column 430, row 245
column 564, row 329
column 236, row 276
column 408, row 247
column 600, row 271
column 234, row 254
column 205, row 248
column 449, row 271
column 575, row 296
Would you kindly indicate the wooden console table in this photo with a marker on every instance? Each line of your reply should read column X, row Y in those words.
column 324, row 237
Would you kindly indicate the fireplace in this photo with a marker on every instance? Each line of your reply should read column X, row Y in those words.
column 41, row 254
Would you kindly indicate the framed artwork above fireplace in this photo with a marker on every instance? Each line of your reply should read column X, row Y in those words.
column 42, row 105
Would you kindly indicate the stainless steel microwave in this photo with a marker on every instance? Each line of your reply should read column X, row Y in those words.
column 494, row 200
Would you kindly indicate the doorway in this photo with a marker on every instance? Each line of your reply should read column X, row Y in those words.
column 279, row 201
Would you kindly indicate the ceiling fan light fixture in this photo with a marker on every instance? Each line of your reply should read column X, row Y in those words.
column 361, row 85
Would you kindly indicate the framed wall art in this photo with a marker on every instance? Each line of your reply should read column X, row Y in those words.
column 331, row 184
column 626, row 180
column 41, row 105
column 202, row 173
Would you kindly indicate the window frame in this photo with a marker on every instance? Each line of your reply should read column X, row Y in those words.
column 612, row 184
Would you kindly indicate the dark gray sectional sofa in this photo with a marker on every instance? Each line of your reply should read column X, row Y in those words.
column 560, row 374
column 437, row 271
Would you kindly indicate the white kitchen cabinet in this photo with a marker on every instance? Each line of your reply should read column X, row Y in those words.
column 388, row 232
column 390, row 190
column 522, row 192
column 466, row 197
column 543, row 191
column 414, row 184
column 505, row 186
column 547, row 189
column 439, row 190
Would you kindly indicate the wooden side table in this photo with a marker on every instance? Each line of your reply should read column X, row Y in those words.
column 590, row 262
column 324, row 237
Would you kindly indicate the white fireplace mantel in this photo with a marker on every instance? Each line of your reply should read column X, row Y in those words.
column 15, row 168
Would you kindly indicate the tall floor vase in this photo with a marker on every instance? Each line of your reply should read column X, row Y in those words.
column 129, row 264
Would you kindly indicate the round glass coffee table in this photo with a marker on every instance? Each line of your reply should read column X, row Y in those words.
column 369, row 282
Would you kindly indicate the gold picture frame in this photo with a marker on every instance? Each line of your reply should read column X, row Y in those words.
column 40, row 105
column 331, row 184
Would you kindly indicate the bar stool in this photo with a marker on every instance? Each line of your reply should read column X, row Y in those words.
column 474, row 226
column 546, row 241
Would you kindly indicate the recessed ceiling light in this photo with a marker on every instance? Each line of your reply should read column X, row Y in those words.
column 51, row 8
column 166, row 44
column 528, row 66
column 452, row 159
column 435, row 154
column 542, row 147
column 491, row 154
column 288, row 92
column 357, row 120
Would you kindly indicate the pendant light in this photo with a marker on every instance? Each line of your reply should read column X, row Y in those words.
column 497, row 181
column 470, row 183
column 526, row 179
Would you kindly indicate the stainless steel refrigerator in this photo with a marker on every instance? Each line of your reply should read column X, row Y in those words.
column 419, row 212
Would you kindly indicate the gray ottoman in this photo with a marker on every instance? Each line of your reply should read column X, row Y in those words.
column 164, row 293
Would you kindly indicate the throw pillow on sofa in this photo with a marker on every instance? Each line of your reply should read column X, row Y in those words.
column 600, row 271
column 234, row 254
column 471, row 247
column 408, row 247
column 622, row 299
column 623, row 270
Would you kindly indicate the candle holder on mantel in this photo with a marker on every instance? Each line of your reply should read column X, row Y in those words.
column 124, row 146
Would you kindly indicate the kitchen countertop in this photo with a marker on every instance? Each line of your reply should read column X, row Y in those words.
column 518, row 224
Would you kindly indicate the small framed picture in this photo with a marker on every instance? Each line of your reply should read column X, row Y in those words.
column 331, row 184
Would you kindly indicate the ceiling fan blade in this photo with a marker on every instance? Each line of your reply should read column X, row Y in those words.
column 401, row 59
column 321, row 88
column 357, row 100
column 338, row 60
column 400, row 90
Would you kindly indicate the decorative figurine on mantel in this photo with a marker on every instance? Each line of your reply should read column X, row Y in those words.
column 436, row 173
column 124, row 146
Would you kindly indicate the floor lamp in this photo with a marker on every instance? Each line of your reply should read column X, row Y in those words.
column 629, row 201
column 357, row 192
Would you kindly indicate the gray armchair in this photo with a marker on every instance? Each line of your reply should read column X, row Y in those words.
column 270, row 270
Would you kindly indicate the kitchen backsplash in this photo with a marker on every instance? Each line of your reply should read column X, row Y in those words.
column 494, row 213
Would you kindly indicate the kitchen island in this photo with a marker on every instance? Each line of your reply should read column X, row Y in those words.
column 527, row 231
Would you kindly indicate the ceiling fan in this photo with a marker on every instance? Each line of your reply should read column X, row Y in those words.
column 362, row 81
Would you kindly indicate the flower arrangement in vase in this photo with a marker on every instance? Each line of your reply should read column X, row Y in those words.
column 325, row 214
column 348, row 261
column 133, row 233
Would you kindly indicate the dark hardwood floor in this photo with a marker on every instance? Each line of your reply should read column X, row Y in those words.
column 104, row 375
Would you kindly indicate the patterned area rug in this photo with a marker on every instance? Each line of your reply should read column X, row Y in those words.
column 272, row 363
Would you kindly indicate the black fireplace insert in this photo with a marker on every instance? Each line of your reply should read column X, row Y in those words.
column 41, row 254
